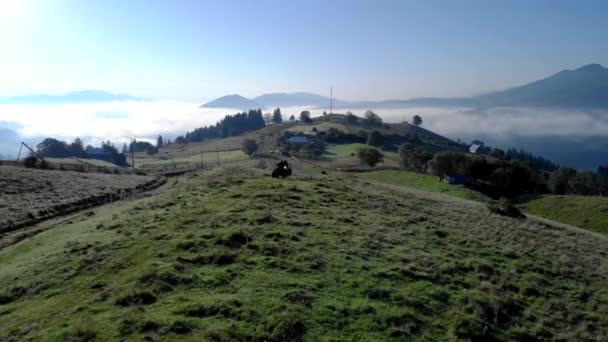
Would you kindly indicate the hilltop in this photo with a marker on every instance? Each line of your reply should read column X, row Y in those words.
column 232, row 101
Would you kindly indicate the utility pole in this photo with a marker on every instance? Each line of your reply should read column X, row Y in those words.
column 331, row 100
column 133, row 153
column 34, row 153
column 20, row 147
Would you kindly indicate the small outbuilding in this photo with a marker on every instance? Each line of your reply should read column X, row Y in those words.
column 475, row 148
column 453, row 179
column 299, row 139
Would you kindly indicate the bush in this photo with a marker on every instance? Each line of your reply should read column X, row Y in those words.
column 504, row 207
column 250, row 147
column 30, row 161
column 370, row 156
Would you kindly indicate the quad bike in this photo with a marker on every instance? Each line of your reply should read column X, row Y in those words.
column 281, row 172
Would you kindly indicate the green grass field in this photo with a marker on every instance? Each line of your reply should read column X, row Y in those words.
column 421, row 182
column 207, row 157
column 236, row 255
column 80, row 161
column 581, row 211
column 345, row 150
column 321, row 127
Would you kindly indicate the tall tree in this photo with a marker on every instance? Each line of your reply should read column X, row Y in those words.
column 277, row 117
column 159, row 142
column 292, row 118
column 559, row 181
column 54, row 148
column 372, row 119
column 351, row 118
column 417, row 120
column 124, row 149
column 76, row 148
column 305, row 117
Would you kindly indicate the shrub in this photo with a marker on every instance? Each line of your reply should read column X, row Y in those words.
column 370, row 156
column 30, row 161
column 288, row 327
column 139, row 298
column 250, row 147
column 504, row 207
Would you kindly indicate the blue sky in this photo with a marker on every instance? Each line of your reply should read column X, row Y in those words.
column 198, row 50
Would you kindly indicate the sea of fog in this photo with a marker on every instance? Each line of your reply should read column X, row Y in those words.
column 570, row 137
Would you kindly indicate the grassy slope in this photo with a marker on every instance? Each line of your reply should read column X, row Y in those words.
column 208, row 157
column 240, row 256
column 421, row 182
column 80, row 161
column 323, row 126
column 581, row 211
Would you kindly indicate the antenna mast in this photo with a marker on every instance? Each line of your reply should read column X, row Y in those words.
column 331, row 100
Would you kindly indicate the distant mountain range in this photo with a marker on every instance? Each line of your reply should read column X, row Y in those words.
column 232, row 101
column 585, row 87
column 85, row 96
column 272, row 100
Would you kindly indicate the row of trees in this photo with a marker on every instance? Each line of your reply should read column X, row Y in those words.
column 570, row 181
column 277, row 117
column 504, row 177
column 53, row 148
column 231, row 125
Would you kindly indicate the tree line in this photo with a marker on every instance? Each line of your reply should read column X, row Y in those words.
column 505, row 177
column 54, row 148
column 231, row 125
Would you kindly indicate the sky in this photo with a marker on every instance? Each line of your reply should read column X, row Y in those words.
column 366, row 49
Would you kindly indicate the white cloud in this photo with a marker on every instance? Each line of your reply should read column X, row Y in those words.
column 120, row 121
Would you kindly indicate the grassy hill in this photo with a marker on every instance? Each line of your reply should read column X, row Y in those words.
column 421, row 181
column 236, row 255
column 582, row 211
column 267, row 139
column 81, row 161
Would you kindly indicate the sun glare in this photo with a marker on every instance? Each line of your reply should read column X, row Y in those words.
column 11, row 10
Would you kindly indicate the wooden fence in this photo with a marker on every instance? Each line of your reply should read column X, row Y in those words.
column 167, row 169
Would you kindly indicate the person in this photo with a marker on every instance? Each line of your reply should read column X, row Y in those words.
column 283, row 164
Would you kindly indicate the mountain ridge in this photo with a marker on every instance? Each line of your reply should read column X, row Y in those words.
column 82, row 96
column 584, row 87
column 235, row 101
